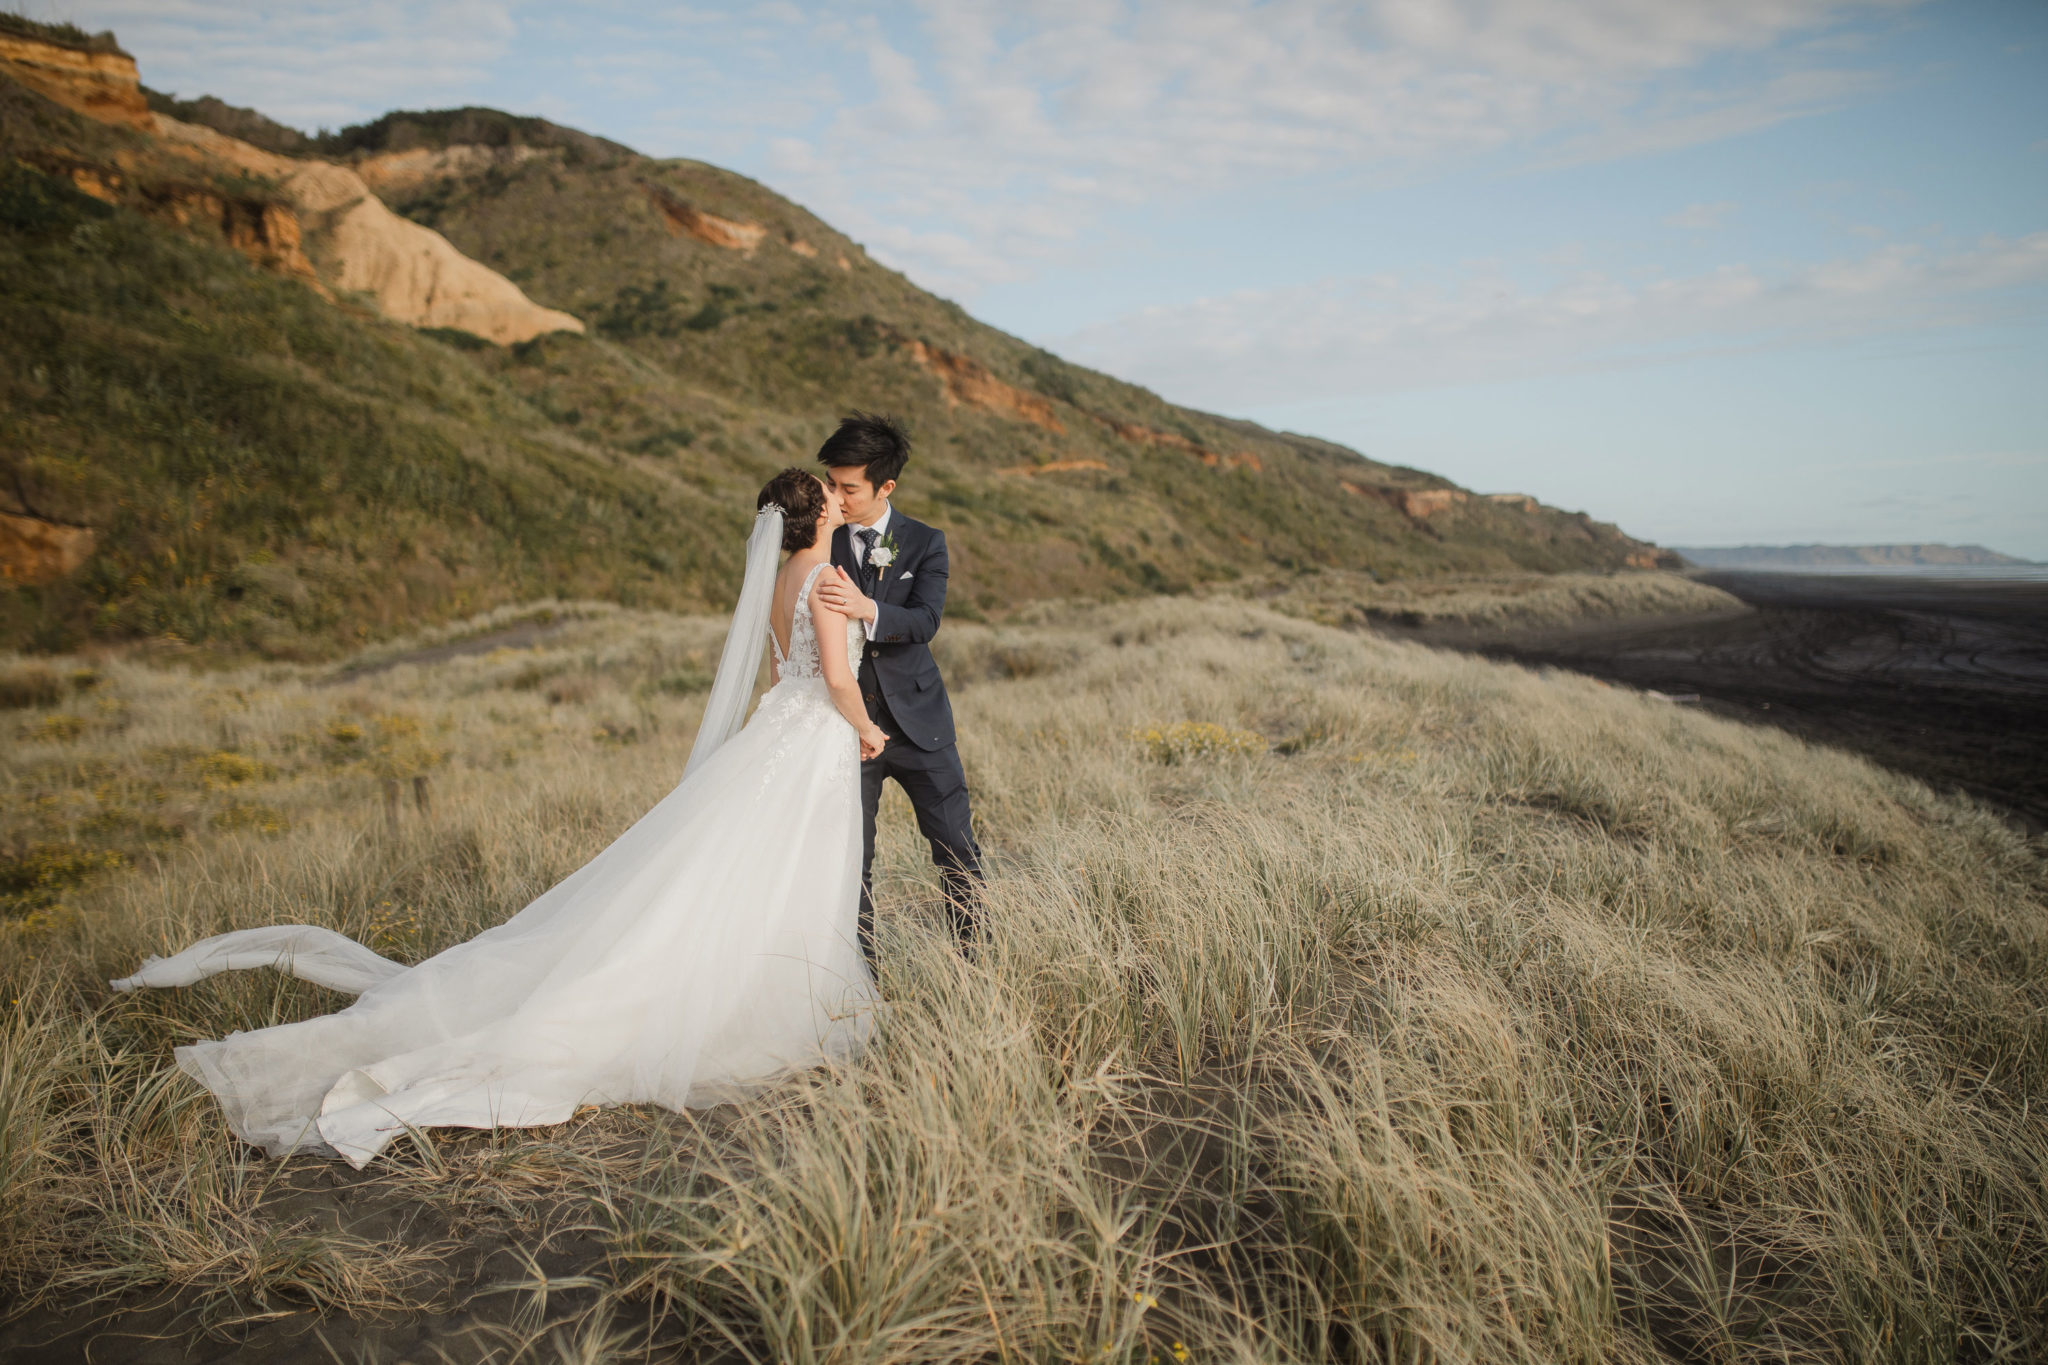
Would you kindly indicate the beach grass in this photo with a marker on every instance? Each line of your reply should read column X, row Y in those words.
column 1438, row 1011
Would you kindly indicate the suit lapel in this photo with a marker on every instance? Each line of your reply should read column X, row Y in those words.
column 842, row 550
column 909, row 539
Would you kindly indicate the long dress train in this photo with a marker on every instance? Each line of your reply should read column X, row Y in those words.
column 708, row 950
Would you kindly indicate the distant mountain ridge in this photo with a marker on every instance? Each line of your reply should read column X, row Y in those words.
column 211, row 431
column 1841, row 556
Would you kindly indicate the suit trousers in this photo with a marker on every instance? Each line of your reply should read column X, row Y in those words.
column 937, row 787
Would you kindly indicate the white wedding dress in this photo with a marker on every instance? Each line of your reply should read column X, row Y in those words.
column 709, row 950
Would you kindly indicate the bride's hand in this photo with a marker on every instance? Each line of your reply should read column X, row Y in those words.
column 872, row 741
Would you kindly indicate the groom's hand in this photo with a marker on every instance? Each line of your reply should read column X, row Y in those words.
column 844, row 596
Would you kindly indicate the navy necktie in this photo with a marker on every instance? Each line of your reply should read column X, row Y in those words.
column 867, row 535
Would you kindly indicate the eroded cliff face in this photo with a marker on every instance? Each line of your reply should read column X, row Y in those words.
column 967, row 381
column 101, row 85
column 324, row 227
column 687, row 220
column 1427, row 507
column 268, row 233
column 1143, row 435
column 34, row 551
column 1033, row 471
column 400, row 172
column 359, row 246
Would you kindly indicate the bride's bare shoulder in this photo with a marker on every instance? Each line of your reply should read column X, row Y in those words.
column 790, row 577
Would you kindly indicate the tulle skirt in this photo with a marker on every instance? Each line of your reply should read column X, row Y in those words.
column 708, row 951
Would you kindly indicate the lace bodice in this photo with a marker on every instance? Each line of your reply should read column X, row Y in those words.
column 802, row 659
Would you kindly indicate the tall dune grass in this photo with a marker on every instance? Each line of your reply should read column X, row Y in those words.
column 1475, row 1015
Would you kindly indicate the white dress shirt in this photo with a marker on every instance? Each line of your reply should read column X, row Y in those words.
column 880, row 528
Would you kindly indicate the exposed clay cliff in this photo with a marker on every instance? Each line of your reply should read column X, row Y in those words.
column 34, row 551
column 1428, row 502
column 324, row 226
column 1417, row 504
column 267, row 232
column 686, row 220
column 1143, row 435
column 360, row 246
column 969, row 382
column 100, row 83
column 1426, row 506
column 1032, row 471
column 391, row 173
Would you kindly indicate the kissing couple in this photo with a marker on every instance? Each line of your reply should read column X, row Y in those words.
column 724, row 941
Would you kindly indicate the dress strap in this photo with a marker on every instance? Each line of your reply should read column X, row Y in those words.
column 803, row 596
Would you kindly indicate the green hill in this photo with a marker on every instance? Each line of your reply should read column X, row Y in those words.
column 251, row 467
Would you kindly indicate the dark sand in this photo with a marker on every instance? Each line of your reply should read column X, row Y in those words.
column 1942, row 678
column 492, row 1244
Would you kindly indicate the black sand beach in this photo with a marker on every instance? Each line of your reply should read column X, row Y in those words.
column 1943, row 678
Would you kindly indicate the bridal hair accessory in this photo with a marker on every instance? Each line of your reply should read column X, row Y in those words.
column 726, row 709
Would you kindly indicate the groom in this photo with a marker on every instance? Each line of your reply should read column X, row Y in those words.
column 892, row 579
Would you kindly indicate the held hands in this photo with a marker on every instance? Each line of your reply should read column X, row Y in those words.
column 872, row 741
column 844, row 596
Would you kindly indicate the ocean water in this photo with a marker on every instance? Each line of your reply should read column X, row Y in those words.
column 1983, row 573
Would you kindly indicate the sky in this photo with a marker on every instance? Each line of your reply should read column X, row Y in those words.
column 1721, row 271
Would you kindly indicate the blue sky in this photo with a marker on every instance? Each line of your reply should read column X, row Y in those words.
column 1730, row 271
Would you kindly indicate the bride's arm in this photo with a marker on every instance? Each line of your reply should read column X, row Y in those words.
column 831, row 627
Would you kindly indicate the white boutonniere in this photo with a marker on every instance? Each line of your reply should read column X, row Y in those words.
column 882, row 556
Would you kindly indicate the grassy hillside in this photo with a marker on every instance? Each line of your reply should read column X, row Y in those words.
column 783, row 328
column 1347, row 1001
column 264, row 471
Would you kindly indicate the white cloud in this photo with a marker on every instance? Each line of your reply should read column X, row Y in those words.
column 1341, row 338
column 971, row 141
column 312, row 62
column 1700, row 217
column 990, row 120
column 1689, row 117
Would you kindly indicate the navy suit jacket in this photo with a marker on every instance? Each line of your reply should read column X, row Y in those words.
column 910, row 596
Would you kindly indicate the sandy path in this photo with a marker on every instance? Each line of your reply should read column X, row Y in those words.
column 525, row 635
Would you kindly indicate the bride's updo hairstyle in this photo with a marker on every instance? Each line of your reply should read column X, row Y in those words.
column 802, row 499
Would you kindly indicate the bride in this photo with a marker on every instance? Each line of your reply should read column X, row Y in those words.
column 708, row 951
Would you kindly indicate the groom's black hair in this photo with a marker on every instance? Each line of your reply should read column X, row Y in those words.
column 875, row 443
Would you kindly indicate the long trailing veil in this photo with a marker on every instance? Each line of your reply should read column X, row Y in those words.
column 330, row 959
column 336, row 960
column 705, row 951
column 726, row 711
